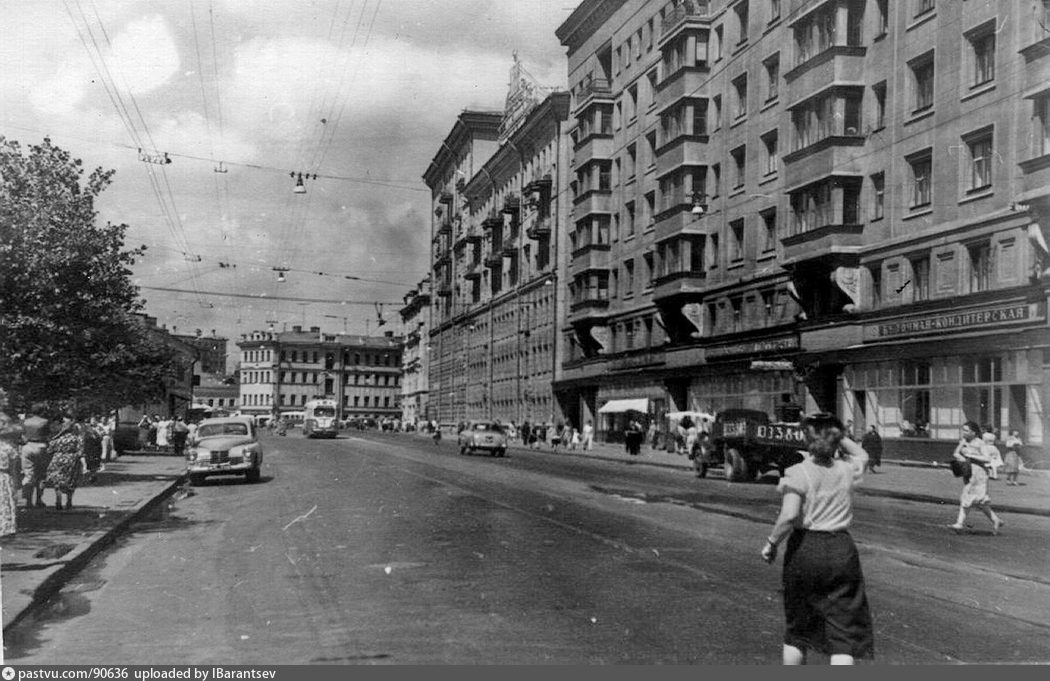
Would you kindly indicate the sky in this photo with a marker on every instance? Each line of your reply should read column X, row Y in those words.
column 359, row 92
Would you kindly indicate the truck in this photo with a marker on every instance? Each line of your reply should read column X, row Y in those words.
column 749, row 444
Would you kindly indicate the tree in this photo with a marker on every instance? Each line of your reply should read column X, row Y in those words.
column 68, row 325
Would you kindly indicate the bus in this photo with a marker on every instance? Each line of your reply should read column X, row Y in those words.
column 319, row 418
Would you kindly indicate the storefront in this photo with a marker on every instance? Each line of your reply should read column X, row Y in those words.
column 917, row 380
column 748, row 375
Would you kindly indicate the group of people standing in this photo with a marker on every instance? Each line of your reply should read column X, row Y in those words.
column 47, row 450
column 158, row 433
column 562, row 435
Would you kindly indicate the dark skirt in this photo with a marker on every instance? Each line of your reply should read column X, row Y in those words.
column 825, row 603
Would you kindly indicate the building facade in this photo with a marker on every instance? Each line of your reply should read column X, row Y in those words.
column 836, row 204
column 415, row 356
column 497, row 239
column 212, row 352
column 281, row 371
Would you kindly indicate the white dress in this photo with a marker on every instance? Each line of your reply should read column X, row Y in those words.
column 163, row 429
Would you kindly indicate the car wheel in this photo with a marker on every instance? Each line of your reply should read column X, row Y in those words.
column 502, row 452
column 735, row 466
column 463, row 450
column 196, row 479
column 252, row 475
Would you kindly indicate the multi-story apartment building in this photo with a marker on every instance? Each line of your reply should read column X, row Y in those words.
column 415, row 356
column 840, row 204
column 212, row 352
column 282, row 370
column 496, row 242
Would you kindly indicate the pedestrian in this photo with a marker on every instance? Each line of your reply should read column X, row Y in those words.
column 540, row 438
column 557, row 435
column 995, row 457
column 35, row 456
column 633, row 437
column 152, row 435
column 179, row 433
column 144, row 426
column 91, row 461
column 587, row 436
column 164, row 433
column 108, row 429
column 437, row 434
column 702, row 456
column 692, row 437
column 975, row 488
column 574, row 439
column 1012, row 460
column 63, row 472
column 652, row 434
column 872, row 444
column 10, row 436
column 825, row 602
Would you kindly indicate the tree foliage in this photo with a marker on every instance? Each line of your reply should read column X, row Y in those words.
column 68, row 328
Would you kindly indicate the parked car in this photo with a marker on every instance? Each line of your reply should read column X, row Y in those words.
column 749, row 444
column 483, row 435
column 225, row 446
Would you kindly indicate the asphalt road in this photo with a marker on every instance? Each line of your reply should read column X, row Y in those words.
column 387, row 549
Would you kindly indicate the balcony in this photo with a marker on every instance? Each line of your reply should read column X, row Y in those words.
column 442, row 258
column 473, row 235
column 538, row 228
column 594, row 147
column 589, row 303
column 678, row 220
column 444, row 288
column 689, row 13
column 836, row 64
column 597, row 90
column 511, row 205
column 494, row 260
column 592, row 201
column 472, row 270
column 683, row 150
column 680, row 283
column 541, row 184
column 445, row 196
column 836, row 157
column 685, row 81
column 822, row 243
column 444, row 227
column 493, row 220
column 590, row 257
column 510, row 246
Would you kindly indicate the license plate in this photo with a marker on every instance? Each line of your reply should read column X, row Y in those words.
column 220, row 466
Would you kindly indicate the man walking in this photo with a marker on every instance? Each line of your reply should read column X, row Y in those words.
column 34, row 455
column 588, row 436
column 872, row 444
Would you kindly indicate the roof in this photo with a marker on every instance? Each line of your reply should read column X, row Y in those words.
column 467, row 123
column 584, row 21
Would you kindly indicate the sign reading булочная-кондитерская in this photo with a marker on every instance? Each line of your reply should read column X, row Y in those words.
column 975, row 319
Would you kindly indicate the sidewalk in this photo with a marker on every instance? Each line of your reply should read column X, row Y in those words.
column 895, row 479
column 52, row 545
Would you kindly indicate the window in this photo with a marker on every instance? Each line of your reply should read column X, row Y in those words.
column 652, row 78
column 736, row 244
column 924, row 6
column 632, row 103
column 740, row 89
column 920, row 278
column 1041, row 121
column 628, row 278
column 716, row 179
column 982, row 45
column 741, row 10
column 649, row 34
column 833, row 114
column 774, row 10
column 922, row 77
column 883, row 18
column 815, row 206
column 629, row 219
column 922, row 178
column 650, row 209
column 980, row 147
column 876, row 286
column 716, row 101
column 713, row 254
column 818, row 31
column 632, row 160
column 769, row 230
column 772, row 65
column 647, row 273
column 719, row 40
column 739, row 166
column 980, row 266
column 650, row 139
column 878, row 91
column 769, row 141
column 983, row 398
column 914, row 398
column 878, row 196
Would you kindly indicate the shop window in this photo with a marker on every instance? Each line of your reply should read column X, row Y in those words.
column 915, row 398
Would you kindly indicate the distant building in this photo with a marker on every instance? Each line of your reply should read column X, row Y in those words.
column 221, row 393
column 415, row 356
column 499, row 238
column 211, row 349
column 178, row 387
column 281, row 371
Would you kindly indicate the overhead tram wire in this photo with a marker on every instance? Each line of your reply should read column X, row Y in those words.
column 263, row 297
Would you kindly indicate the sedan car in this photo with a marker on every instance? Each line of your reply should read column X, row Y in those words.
column 483, row 435
column 224, row 446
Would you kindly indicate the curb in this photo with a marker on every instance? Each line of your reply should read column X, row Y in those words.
column 54, row 582
column 891, row 494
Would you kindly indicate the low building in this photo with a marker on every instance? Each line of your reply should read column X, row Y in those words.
column 281, row 371
column 218, row 392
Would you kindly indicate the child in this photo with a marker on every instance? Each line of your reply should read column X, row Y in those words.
column 574, row 440
column 992, row 451
column 1012, row 461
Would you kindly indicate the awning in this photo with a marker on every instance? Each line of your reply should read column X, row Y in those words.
column 621, row 406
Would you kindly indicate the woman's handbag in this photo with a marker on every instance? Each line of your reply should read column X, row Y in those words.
column 960, row 469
